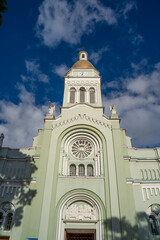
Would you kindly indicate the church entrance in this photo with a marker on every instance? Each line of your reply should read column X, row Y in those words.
column 4, row 238
column 80, row 234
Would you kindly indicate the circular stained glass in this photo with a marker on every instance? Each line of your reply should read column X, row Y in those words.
column 81, row 148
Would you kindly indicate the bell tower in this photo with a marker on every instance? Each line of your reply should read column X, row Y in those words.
column 82, row 84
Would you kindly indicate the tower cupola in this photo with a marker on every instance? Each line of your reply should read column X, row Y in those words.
column 82, row 83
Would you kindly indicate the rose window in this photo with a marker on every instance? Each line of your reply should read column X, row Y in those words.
column 81, row 148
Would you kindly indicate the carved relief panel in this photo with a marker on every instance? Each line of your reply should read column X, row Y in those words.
column 80, row 211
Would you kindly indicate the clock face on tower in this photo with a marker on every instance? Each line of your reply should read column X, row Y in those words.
column 82, row 73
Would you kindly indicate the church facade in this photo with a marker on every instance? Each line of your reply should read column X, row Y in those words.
column 81, row 179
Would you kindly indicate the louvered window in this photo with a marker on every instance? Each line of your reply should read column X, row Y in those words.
column 81, row 170
column 89, row 170
column 72, row 170
column 72, row 95
column 92, row 95
column 82, row 95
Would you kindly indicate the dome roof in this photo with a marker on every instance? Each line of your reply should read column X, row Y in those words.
column 83, row 64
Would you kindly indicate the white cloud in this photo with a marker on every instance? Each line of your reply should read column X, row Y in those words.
column 20, row 122
column 60, row 70
column 137, row 39
column 146, row 84
column 140, row 66
column 96, row 56
column 138, row 105
column 34, row 72
column 65, row 21
column 128, row 7
column 113, row 84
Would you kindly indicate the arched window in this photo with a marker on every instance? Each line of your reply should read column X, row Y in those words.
column 83, row 55
column 153, row 224
column 72, row 170
column 92, row 95
column 154, row 174
column 142, row 174
column 6, row 215
column 81, row 170
column 82, row 94
column 72, row 95
column 153, row 213
column 1, row 219
column 146, row 174
column 9, row 219
column 89, row 170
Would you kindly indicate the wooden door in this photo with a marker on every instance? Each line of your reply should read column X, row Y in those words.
column 80, row 234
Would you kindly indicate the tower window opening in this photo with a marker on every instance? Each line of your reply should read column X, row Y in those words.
column 82, row 94
column 72, row 95
column 92, row 95
column 81, row 170
column 90, row 170
column 83, row 55
column 72, row 170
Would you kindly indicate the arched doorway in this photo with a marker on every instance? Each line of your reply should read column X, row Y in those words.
column 80, row 218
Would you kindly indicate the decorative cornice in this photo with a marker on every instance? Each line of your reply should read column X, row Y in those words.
column 82, row 116
column 82, row 177
column 16, row 158
column 15, row 181
column 141, row 181
column 144, row 159
column 83, row 81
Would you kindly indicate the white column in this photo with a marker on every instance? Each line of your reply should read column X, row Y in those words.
column 77, row 95
column 87, row 95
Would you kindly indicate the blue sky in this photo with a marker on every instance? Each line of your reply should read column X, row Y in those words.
column 40, row 41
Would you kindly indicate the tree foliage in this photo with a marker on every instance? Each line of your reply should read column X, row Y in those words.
column 3, row 8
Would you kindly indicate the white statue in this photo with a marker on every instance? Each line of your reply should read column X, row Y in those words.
column 51, row 109
column 113, row 109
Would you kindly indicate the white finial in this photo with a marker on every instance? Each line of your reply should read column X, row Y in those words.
column 113, row 109
column 51, row 109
